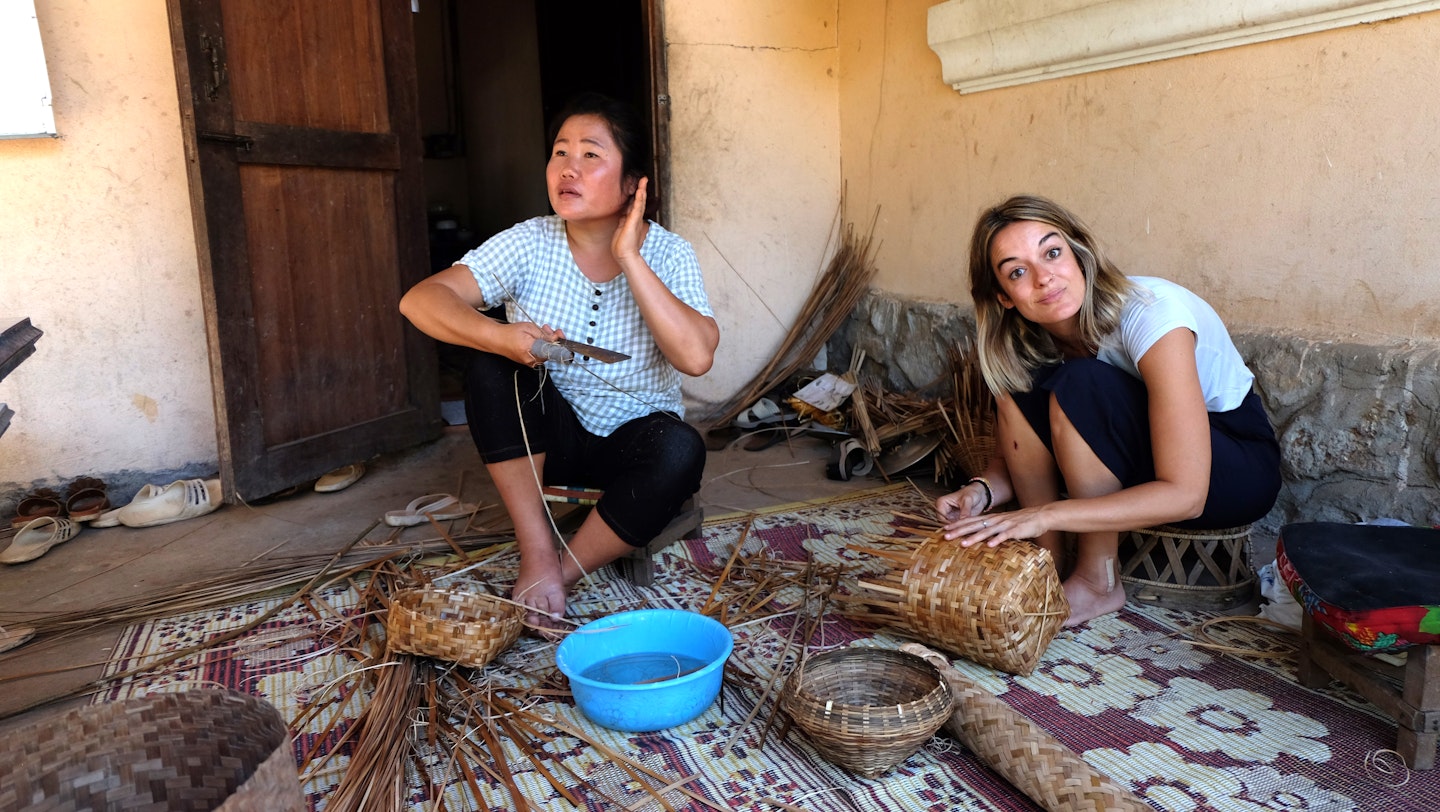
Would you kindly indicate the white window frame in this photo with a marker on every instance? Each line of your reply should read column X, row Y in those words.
column 989, row 44
column 25, row 101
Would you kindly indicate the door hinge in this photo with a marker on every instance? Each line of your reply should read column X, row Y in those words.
column 211, row 48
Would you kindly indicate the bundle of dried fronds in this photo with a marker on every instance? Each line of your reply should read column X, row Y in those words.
column 832, row 299
column 970, row 439
column 998, row 606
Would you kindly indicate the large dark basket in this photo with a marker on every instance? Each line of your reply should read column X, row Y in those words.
column 867, row 709
column 196, row 751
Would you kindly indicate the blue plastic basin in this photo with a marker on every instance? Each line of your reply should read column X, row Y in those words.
column 620, row 667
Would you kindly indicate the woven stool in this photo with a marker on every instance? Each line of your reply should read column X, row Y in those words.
column 195, row 750
column 637, row 566
column 1371, row 590
column 1181, row 568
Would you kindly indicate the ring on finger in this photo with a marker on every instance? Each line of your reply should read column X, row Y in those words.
column 984, row 524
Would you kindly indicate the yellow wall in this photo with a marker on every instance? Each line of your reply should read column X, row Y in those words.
column 1292, row 183
column 98, row 249
column 755, row 147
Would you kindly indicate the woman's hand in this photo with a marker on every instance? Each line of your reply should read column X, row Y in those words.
column 630, row 234
column 993, row 528
column 519, row 339
column 970, row 500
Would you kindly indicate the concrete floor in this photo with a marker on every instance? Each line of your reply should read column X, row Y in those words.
column 101, row 566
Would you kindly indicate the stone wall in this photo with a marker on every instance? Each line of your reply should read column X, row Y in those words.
column 1359, row 424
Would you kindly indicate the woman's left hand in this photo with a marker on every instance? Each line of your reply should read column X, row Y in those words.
column 630, row 234
column 993, row 528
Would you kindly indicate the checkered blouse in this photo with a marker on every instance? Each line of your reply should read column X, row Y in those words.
column 529, row 268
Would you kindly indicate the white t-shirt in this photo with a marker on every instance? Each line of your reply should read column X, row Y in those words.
column 1158, row 306
column 529, row 268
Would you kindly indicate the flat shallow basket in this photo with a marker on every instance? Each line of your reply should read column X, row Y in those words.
column 867, row 709
column 461, row 627
column 1179, row 568
column 199, row 750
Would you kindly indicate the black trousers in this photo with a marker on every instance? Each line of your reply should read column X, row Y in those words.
column 648, row 467
column 1111, row 410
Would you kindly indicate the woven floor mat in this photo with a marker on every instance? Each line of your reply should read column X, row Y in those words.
column 1183, row 727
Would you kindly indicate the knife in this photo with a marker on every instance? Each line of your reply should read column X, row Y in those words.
column 564, row 350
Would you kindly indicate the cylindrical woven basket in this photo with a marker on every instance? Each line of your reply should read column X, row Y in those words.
column 195, row 751
column 1181, row 568
column 1031, row 759
column 997, row 606
column 462, row 627
column 867, row 709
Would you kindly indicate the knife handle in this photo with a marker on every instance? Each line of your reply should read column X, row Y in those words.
column 551, row 352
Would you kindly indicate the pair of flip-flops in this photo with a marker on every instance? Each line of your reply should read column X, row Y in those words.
column 438, row 506
column 162, row 504
column 85, row 499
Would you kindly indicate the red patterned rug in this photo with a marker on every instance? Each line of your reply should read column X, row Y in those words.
column 1183, row 727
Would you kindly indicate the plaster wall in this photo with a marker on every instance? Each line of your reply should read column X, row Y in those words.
column 1291, row 183
column 97, row 248
column 755, row 173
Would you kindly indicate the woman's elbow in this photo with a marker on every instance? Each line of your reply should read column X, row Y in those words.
column 696, row 365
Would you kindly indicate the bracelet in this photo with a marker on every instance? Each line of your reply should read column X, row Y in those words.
column 989, row 494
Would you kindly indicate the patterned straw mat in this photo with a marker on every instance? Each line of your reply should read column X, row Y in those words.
column 1183, row 727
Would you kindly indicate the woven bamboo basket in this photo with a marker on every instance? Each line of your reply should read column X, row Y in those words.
column 1179, row 568
column 1031, row 759
column 867, row 709
column 194, row 751
column 997, row 606
column 461, row 627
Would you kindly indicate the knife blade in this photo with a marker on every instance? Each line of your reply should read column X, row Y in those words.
column 565, row 350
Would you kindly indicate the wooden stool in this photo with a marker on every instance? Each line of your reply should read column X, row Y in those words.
column 637, row 566
column 1181, row 568
column 1370, row 587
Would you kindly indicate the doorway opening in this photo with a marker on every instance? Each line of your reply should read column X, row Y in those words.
column 491, row 73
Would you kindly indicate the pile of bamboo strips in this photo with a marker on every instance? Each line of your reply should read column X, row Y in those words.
column 832, row 299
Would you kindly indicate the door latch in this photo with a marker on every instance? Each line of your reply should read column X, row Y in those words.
column 244, row 142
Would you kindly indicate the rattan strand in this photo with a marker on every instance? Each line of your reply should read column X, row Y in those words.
column 997, row 606
column 193, row 751
column 867, row 709
column 460, row 627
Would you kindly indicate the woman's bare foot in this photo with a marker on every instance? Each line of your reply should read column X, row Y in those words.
column 540, row 587
column 1089, row 599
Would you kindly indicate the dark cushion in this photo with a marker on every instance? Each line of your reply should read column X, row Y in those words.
column 1376, row 588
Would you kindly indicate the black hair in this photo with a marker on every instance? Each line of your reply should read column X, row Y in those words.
column 625, row 127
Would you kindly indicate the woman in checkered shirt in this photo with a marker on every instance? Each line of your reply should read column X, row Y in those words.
column 596, row 271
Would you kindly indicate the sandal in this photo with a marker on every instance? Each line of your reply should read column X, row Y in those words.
column 36, row 538
column 37, row 504
column 340, row 478
column 86, row 499
column 181, row 499
column 764, row 413
column 15, row 636
column 437, row 506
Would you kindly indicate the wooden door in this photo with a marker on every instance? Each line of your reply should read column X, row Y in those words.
column 305, row 173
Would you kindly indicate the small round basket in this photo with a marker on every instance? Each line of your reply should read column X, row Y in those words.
column 193, row 751
column 461, row 627
column 867, row 709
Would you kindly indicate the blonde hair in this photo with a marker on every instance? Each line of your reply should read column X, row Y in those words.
column 1010, row 346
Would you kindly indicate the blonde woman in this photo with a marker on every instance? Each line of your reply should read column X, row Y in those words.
column 1122, row 403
